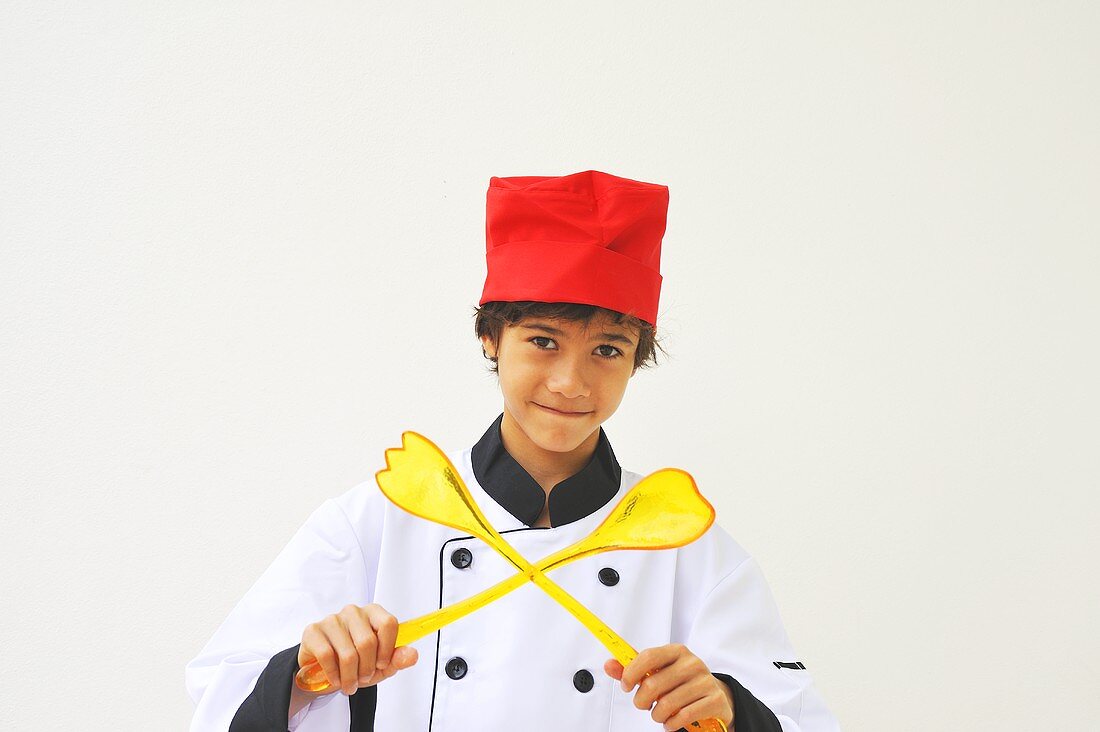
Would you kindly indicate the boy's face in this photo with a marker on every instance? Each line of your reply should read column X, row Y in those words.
column 562, row 379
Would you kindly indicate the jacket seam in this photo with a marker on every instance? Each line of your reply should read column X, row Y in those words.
column 729, row 574
column 351, row 528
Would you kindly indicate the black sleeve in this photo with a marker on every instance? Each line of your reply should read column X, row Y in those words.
column 268, row 706
column 749, row 713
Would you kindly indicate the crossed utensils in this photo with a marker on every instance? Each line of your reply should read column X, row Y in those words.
column 662, row 511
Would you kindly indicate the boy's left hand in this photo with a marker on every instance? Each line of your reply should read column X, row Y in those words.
column 679, row 682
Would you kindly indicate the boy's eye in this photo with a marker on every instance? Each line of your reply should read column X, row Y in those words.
column 545, row 343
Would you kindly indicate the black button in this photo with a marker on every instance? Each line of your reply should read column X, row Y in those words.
column 583, row 681
column 609, row 577
column 456, row 668
column 462, row 558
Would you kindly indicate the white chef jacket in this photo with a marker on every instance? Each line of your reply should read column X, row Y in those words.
column 522, row 662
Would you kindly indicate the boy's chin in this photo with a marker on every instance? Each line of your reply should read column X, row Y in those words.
column 562, row 441
column 560, row 446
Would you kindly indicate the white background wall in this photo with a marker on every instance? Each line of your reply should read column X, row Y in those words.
column 240, row 244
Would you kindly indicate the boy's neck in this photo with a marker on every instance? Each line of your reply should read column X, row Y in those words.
column 547, row 467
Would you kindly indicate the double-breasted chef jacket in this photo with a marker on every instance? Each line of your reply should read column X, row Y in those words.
column 521, row 662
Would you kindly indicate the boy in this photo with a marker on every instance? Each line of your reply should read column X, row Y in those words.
column 567, row 316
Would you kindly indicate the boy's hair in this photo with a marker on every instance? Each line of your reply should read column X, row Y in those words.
column 490, row 319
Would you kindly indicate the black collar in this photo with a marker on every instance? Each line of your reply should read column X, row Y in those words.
column 512, row 487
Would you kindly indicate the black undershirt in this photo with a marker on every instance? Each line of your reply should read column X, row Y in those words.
column 581, row 494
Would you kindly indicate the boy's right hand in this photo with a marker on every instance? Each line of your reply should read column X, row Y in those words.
column 355, row 647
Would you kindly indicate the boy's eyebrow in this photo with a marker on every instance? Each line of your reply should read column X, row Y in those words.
column 542, row 326
column 613, row 337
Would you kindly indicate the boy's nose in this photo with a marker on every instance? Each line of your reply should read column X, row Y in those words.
column 568, row 379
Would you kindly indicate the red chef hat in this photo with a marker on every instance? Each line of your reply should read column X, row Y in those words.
column 588, row 238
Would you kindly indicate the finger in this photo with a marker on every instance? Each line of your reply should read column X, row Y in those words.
column 385, row 627
column 696, row 712
column 347, row 656
column 680, row 697
column 316, row 646
column 403, row 657
column 685, row 669
column 652, row 688
column 648, row 661
column 362, row 636
column 614, row 669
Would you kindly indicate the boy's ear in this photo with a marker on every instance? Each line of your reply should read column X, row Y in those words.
column 488, row 346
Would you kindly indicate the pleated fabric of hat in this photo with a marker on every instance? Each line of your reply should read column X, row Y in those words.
column 589, row 238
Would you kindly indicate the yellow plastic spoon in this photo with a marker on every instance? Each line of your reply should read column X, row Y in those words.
column 662, row 511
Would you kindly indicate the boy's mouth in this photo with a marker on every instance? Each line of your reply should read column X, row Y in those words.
column 559, row 411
